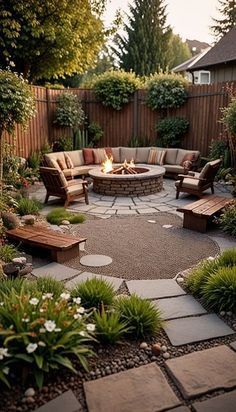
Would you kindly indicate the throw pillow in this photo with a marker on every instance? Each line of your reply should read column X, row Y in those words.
column 62, row 164
column 69, row 163
column 88, row 156
column 187, row 165
column 189, row 156
column 108, row 151
column 156, row 157
column 99, row 156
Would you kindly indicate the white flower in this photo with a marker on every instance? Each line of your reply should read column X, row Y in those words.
column 42, row 330
column 58, row 330
column 31, row 347
column 77, row 316
column 40, row 343
column 80, row 310
column 90, row 327
column 1, row 303
column 82, row 333
column 47, row 296
column 26, row 320
column 77, row 300
column 3, row 352
column 65, row 296
column 50, row 325
column 34, row 301
column 41, row 310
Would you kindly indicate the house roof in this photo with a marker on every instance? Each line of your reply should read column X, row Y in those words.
column 187, row 65
column 224, row 51
column 199, row 46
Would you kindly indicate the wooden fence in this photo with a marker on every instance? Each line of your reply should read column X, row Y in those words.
column 202, row 109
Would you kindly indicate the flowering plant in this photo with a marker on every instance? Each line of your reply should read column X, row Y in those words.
column 40, row 333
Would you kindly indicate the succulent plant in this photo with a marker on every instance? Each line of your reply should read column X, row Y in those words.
column 9, row 220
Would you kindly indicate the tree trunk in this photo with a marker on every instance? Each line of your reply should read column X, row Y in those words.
column 1, row 159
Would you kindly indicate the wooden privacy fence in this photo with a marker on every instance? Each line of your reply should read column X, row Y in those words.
column 136, row 119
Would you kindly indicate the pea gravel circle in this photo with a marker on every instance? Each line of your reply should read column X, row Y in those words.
column 140, row 250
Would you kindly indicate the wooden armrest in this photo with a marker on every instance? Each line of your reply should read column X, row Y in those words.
column 181, row 177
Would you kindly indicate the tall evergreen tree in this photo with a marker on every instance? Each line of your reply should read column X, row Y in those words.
column 143, row 46
column 227, row 8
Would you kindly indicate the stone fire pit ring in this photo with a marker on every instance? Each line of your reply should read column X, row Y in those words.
column 149, row 181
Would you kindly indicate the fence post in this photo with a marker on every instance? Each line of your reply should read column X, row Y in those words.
column 135, row 114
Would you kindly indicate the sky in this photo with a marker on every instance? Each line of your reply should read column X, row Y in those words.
column 189, row 18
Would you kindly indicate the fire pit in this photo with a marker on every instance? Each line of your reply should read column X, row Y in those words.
column 127, row 179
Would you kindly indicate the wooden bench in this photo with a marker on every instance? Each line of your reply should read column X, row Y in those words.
column 197, row 214
column 63, row 247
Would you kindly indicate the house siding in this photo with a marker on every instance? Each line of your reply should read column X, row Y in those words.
column 223, row 73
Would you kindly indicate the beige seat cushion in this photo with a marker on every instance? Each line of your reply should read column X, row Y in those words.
column 76, row 157
column 188, row 183
column 142, row 154
column 207, row 167
column 77, row 171
column 174, row 169
column 99, row 156
column 182, row 152
column 127, row 153
column 54, row 156
column 116, row 154
column 75, row 189
column 171, row 155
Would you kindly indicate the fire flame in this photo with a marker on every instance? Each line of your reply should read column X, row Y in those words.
column 107, row 164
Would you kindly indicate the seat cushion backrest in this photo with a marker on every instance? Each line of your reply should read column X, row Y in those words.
column 54, row 156
column 142, row 154
column 76, row 157
column 127, row 153
column 171, row 155
column 210, row 169
column 116, row 154
column 183, row 155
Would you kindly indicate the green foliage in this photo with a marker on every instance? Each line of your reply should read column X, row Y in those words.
column 94, row 293
column 49, row 285
column 136, row 141
column 28, row 206
column 8, row 285
column 219, row 292
column 109, row 328
column 171, row 129
column 140, row 315
column 227, row 9
column 114, row 88
column 81, row 139
column 144, row 46
column 95, row 133
column 7, row 253
column 9, row 220
column 56, row 216
column 63, row 144
column 219, row 149
column 7, row 202
column 177, row 51
column 43, row 334
column 51, row 38
column 228, row 219
column 34, row 160
column 229, row 116
column 166, row 91
column 69, row 112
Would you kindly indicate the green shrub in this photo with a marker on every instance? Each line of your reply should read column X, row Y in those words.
column 95, row 133
column 227, row 258
column 63, row 144
column 34, row 160
column 56, row 216
column 219, row 292
column 229, row 116
column 94, row 293
column 43, row 334
column 8, row 285
column 171, row 129
column 9, row 220
column 140, row 315
column 49, row 285
column 28, row 206
column 109, row 327
column 114, row 88
column 166, row 91
column 7, row 253
column 228, row 219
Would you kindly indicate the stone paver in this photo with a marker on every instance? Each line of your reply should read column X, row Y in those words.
column 139, row 389
column 149, row 211
column 225, row 402
column 233, row 345
column 116, row 282
column 95, row 260
column 179, row 307
column 56, row 271
column 100, row 209
column 179, row 409
column 66, row 402
column 126, row 212
column 195, row 329
column 154, row 289
column 204, row 371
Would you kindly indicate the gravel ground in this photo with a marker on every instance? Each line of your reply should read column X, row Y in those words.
column 143, row 250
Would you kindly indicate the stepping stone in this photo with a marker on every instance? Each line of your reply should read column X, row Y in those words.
column 65, row 402
column 95, row 260
column 225, row 402
column 116, row 282
column 204, row 371
column 179, row 307
column 196, row 329
column 139, row 389
column 55, row 271
column 151, row 289
column 98, row 210
column 126, row 212
column 233, row 345
column 147, row 211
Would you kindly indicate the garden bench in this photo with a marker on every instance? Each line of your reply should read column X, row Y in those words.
column 197, row 214
column 63, row 247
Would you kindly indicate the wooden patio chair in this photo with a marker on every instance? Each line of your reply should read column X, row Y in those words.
column 57, row 185
column 196, row 183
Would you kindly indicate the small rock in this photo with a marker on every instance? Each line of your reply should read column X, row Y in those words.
column 180, row 280
column 65, row 222
column 156, row 349
column 30, row 399
column 222, row 313
column 21, row 260
column 29, row 392
column 151, row 221
column 167, row 226
column 143, row 345
column 229, row 313
column 166, row 355
column 26, row 269
column 164, row 348
column 210, row 258
column 28, row 219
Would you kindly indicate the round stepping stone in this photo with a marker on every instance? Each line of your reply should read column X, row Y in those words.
column 95, row 260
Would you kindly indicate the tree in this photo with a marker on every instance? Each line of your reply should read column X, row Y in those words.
column 178, row 51
column 227, row 8
column 16, row 106
column 143, row 46
column 50, row 38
